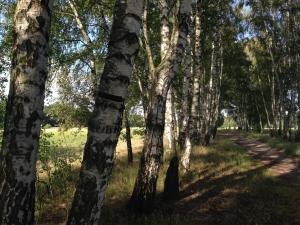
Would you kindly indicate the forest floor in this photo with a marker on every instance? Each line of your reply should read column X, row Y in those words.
column 235, row 181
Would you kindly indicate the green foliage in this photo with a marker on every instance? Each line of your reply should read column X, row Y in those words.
column 139, row 132
column 229, row 123
column 68, row 115
column 55, row 162
column 137, row 120
column 136, row 132
column 7, row 9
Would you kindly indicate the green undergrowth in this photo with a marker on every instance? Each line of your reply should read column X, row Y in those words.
column 290, row 148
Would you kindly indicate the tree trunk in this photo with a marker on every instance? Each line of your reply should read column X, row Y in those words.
column 24, row 112
column 264, row 101
column 198, row 78
column 171, row 188
column 165, row 28
column 187, row 105
column 128, row 138
column 142, row 199
column 298, row 113
column 170, row 123
column 212, row 95
column 143, row 195
column 259, row 116
column 186, row 95
column 164, row 48
column 105, row 123
column 88, row 42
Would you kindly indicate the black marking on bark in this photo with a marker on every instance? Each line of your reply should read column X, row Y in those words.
column 26, row 99
column 41, row 20
column 131, row 38
column 136, row 17
column 111, row 97
column 20, row 112
column 31, row 121
column 19, row 195
column 121, row 78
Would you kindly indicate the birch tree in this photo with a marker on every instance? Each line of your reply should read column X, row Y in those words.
column 197, row 76
column 187, row 105
column 105, row 123
column 24, row 112
column 170, row 124
column 143, row 195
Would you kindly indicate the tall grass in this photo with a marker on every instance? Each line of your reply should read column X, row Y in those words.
column 223, row 187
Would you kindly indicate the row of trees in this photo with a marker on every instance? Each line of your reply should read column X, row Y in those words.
column 186, row 61
column 272, row 47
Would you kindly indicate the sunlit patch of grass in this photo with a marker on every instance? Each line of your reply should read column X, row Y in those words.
column 224, row 186
column 290, row 148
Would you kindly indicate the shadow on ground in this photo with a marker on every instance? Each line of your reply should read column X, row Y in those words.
column 224, row 187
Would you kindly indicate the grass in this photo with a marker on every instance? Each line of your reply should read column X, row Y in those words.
column 290, row 148
column 223, row 187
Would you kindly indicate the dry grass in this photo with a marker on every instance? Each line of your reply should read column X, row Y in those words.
column 290, row 148
column 224, row 187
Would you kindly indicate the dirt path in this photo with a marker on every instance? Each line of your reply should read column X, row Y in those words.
column 280, row 164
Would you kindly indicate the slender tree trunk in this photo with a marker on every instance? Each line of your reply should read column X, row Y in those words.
column 186, row 96
column 274, row 107
column 165, row 28
column 164, row 48
column 264, row 101
column 128, row 138
column 144, row 191
column 187, row 105
column 88, row 42
column 218, row 83
column 105, row 123
column 24, row 112
column 175, row 121
column 298, row 113
column 170, row 122
column 196, row 109
column 143, row 195
column 259, row 115
column 185, row 159
column 213, row 83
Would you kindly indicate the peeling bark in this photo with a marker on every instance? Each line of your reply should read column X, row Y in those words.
column 24, row 112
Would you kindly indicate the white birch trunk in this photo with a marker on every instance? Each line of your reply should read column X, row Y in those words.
column 186, row 104
column 143, row 195
column 105, row 123
column 169, row 132
column 24, row 112
column 195, row 113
